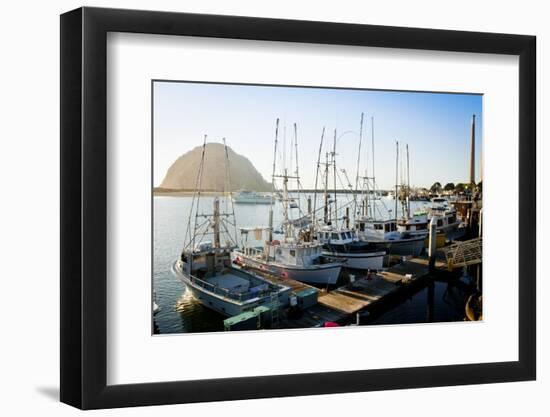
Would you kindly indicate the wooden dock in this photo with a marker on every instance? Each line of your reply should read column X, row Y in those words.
column 368, row 291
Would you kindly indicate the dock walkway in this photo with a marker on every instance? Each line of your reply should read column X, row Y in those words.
column 365, row 292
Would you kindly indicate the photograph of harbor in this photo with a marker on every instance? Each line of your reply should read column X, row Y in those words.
column 288, row 207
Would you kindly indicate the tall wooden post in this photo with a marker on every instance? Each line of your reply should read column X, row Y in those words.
column 432, row 245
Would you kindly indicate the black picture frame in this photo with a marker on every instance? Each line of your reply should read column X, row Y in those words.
column 84, row 207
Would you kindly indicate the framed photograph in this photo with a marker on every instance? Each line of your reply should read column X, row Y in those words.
column 257, row 208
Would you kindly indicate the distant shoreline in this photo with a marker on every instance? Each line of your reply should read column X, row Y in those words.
column 168, row 192
column 165, row 192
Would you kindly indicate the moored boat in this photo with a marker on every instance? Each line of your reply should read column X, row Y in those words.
column 206, row 269
column 293, row 257
column 250, row 197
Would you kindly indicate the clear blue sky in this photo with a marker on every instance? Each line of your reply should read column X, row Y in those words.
column 436, row 127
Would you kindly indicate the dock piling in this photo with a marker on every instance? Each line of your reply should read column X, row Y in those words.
column 432, row 245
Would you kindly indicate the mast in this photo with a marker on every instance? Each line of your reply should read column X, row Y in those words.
column 396, row 175
column 216, row 223
column 316, row 178
column 285, row 204
column 273, row 182
column 373, row 176
column 228, row 177
column 297, row 165
column 334, row 170
column 357, row 173
column 408, row 186
column 326, row 212
column 196, row 199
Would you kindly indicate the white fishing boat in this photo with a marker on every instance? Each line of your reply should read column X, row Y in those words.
column 395, row 236
column 251, row 197
column 294, row 256
column 338, row 240
column 344, row 245
column 206, row 269
column 388, row 235
column 301, row 261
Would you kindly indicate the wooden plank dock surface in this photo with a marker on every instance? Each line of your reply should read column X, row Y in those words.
column 367, row 291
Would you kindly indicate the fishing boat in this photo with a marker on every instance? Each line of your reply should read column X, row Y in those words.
column 390, row 236
column 206, row 268
column 397, row 236
column 338, row 240
column 344, row 245
column 295, row 256
column 250, row 197
column 291, row 258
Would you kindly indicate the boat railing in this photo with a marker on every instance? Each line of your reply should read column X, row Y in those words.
column 250, row 251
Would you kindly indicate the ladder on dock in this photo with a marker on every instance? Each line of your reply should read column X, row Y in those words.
column 464, row 253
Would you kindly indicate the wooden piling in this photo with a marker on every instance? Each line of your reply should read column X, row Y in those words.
column 432, row 245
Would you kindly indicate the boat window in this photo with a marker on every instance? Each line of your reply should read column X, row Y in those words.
column 386, row 227
column 440, row 223
column 335, row 236
column 362, row 227
column 348, row 235
column 292, row 252
column 378, row 226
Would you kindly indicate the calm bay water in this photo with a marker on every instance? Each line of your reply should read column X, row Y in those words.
column 180, row 313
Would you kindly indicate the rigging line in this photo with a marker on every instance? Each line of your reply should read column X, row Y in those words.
column 201, row 169
column 188, row 231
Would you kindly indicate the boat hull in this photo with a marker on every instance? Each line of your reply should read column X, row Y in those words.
column 369, row 260
column 319, row 274
column 223, row 305
column 405, row 247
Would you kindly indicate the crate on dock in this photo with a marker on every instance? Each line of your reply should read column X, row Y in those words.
column 307, row 297
column 248, row 320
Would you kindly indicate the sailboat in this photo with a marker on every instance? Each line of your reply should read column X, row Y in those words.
column 295, row 256
column 205, row 266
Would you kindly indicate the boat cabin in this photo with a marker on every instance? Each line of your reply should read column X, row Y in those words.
column 337, row 237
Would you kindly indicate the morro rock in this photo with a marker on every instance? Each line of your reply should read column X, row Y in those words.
column 182, row 174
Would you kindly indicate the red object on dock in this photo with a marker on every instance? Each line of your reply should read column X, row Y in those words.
column 331, row 324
